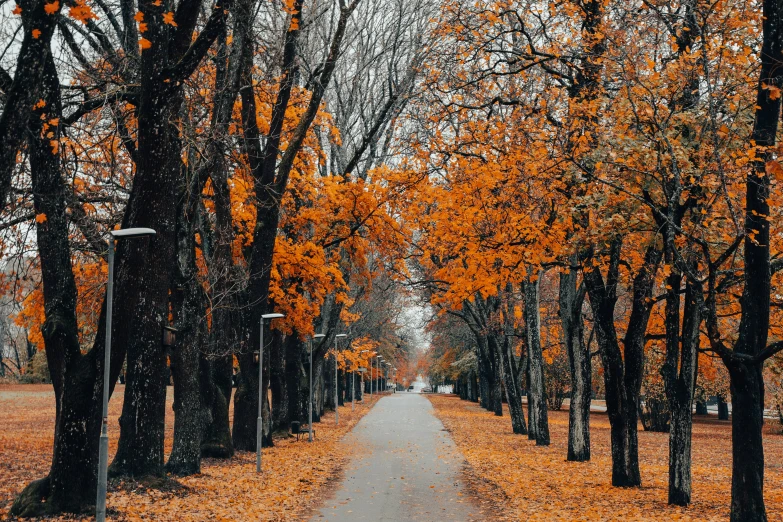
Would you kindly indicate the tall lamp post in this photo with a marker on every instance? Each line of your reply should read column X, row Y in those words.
column 336, row 413
column 260, row 422
column 103, row 454
column 310, row 405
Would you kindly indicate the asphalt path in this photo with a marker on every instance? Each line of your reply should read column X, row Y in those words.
column 405, row 467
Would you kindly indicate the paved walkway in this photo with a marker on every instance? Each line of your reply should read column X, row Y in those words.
column 406, row 468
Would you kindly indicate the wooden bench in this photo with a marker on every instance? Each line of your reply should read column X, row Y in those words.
column 299, row 429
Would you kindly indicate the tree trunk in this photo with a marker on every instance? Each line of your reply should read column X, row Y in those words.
column 747, row 449
column 723, row 408
column 140, row 304
column 35, row 54
column 329, row 374
column 246, row 405
column 513, row 397
column 679, row 374
column 622, row 372
column 278, row 383
column 296, row 379
column 580, row 365
column 225, row 334
column 191, row 416
column 217, row 441
column 63, row 489
column 142, row 423
column 747, row 381
column 497, row 379
column 539, row 422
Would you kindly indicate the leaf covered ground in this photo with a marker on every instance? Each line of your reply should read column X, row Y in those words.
column 537, row 483
column 295, row 474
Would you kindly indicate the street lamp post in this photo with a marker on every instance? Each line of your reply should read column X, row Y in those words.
column 336, row 393
column 310, row 405
column 103, row 454
column 260, row 422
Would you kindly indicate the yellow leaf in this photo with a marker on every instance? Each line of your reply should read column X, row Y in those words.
column 36, row 33
column 40, row 218
column 144, row 43
column 168, row 18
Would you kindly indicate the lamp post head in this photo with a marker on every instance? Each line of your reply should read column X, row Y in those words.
column 272, row 316
column 364, row 351
column 127, row 233
column 341, row 335
column 319, row 336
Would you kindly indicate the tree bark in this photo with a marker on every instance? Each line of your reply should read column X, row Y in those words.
column 580, row 364
column 539, row 421
column 723, row 408
column 679, row 374
column 26, row 89
column 188, row 304
column 216, row 442
column 60, row 331
column 745, row 362
column 622, row 371
column 513, row 396
column 747, row 422
column 171, row 58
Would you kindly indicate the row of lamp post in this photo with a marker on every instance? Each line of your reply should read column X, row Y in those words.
column 103, row 455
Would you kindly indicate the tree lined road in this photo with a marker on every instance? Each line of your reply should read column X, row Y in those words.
column 406, row 468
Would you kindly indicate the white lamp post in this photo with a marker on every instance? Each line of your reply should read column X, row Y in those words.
column 336, row 412
column 260, row 422
column 103, row 454
column 310, row 405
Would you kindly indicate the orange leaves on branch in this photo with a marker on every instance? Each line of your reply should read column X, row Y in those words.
column 82, row 12
column 774, row 91
column 773, row 168
column 168, row 18
column 52, row 7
